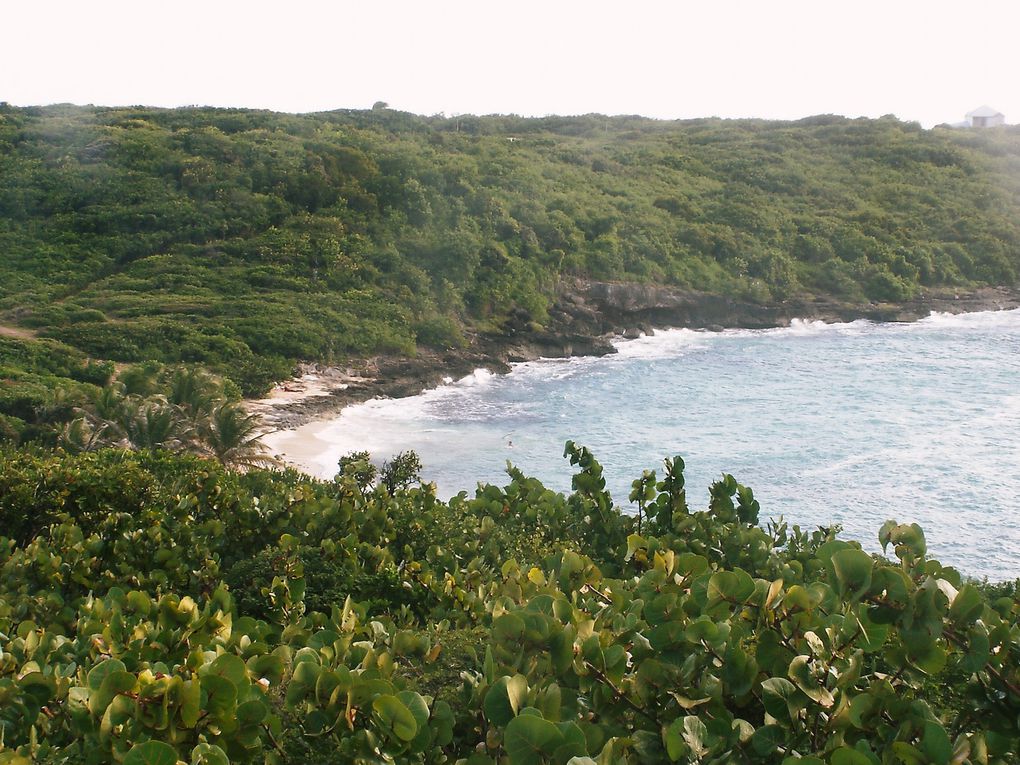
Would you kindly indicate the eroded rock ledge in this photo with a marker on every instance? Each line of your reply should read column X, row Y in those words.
column 585, row 320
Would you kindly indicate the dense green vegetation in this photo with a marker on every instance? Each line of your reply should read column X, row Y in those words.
column 156, row 608
column 244, row 240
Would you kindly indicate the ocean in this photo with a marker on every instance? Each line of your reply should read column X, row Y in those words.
column 850, row 423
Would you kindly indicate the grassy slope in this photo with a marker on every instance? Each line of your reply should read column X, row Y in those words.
column 245, row 240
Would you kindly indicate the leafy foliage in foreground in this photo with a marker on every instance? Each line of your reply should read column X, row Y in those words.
column 244, row 240
column 156, row 608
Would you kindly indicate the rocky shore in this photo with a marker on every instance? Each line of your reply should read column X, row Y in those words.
column 584, row 321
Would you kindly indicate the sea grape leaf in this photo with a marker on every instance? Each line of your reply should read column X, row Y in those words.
column 767, row 739
column 230, row 667
column 734, row 586
column 508, row 629
column 847, row 756
column 151, row 753
column 935, row 743
column 739, row 671
column 252, row 712
column 208, row 754
column 529, row 737
column 673, row 738
column 221, row 697
column 191, row 703
column 967, row 604
column 979, row 648
column 113, row 683
column 852, row 569
column 99, row 672
column 781, row 698
column 800, row 674
column 394, row 717
column 501, row 704
column 695, row 733
column 908, row 754
column 419, row 709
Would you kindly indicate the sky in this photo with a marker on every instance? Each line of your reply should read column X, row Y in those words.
column 929, row 61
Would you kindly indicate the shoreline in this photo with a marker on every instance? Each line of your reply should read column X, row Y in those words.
column 585, row 321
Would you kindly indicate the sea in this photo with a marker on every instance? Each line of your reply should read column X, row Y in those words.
column 850, row 424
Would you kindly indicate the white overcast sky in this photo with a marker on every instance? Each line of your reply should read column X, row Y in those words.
column 928, row 61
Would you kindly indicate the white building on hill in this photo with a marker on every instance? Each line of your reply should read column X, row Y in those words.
column 985, row 116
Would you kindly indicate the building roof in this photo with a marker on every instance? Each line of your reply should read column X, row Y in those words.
column 984, row 111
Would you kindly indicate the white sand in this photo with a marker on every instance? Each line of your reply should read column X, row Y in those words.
column 302, row 448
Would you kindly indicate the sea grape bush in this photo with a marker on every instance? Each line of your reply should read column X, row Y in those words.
column 158, row 608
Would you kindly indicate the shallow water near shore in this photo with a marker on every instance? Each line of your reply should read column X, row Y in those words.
column 828, row 423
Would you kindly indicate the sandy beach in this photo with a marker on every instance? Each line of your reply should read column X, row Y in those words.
column 299, row 445
column 302, row 448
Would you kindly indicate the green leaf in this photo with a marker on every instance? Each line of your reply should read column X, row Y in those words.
column 230, row 667
column 113, row 683
column 935, row 743
column 394, row 718
column 505, row 699
column 847, row 756
column 99, row 672
column 252, row 712
column 528, row 738
column 673, row 738
column 208, row 754
column 781, row 698
column 768, row 739
column 191, row 703
column 852, row 570
column 572, row 745
column 861, row 708
column 907, row 754
column 416, row 705
column 739, row 671
column 734, row 587
column 800, row 674
column 221, row 697
column 151, row 753
column 979, row 648
column 967, row 604
column 269, row 666
column 695, row 733
column 508, row 629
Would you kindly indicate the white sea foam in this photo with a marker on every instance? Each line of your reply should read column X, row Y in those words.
column 976, row 319
column 478, row 377
column 665, row 343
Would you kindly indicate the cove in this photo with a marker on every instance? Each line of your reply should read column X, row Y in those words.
column 851, row 423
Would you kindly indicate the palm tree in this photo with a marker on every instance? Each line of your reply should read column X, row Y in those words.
column 233, row 437
column 195, row 392
column 140, row 379
column 84, row 434
column 155, row 424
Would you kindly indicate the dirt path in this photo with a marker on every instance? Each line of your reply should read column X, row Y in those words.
column 19, row 332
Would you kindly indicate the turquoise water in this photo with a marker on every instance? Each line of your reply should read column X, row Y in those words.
column 845, row 423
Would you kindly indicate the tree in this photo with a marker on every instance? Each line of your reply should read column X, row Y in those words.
column 233, row 437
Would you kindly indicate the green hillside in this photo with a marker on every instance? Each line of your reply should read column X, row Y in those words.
column 244, row 240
